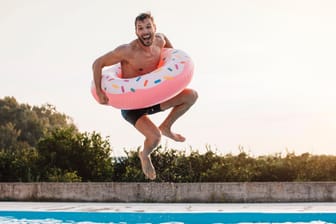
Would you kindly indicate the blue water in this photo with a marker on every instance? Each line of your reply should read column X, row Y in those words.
column 34, row 217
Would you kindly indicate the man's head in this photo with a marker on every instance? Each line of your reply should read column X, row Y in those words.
column 145, row 28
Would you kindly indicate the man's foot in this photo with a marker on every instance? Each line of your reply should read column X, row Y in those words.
column 147, row 166
column 167, row 132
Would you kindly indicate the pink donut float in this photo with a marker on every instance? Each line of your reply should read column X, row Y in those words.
column 169, row 79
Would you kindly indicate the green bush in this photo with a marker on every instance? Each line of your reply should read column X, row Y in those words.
column 41, row 144
column 86, row 155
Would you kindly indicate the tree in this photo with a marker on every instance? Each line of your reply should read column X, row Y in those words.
column 29, row 123
column 8, row 136
column 21, row 127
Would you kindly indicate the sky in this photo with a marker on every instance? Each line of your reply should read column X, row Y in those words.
column 264, row 69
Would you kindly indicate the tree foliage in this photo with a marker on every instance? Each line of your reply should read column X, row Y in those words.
column 85, row 156
column 41, row 144
column 24, row 123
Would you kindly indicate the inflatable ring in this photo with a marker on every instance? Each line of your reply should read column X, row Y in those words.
column 173, row 74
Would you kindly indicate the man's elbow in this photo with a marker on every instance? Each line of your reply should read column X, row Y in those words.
column 97, row 64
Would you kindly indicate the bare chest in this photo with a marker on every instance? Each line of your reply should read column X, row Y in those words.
column 140, row 63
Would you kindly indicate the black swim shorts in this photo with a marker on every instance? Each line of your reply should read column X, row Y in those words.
column 133, row 115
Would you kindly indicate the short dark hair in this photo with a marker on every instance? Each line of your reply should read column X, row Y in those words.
column 143, row 16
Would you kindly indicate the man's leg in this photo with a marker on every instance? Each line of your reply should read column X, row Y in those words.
column 180, row 104
column 152, row 139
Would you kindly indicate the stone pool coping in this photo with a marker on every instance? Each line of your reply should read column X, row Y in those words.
column 169, row 207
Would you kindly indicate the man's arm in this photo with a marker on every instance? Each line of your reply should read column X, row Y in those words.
column 167, row 43
column 108, row 59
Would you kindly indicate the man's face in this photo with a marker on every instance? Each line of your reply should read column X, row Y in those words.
column 145, row 30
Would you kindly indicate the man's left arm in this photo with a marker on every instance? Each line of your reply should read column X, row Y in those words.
column 166, row 40
column 168, row 44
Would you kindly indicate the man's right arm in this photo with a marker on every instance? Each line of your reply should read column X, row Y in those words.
column 108, row 59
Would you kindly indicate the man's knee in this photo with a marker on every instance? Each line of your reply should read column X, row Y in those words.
column 154, row 138
column 195, row 95
column 191, row 96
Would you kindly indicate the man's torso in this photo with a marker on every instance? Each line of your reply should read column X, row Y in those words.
column 139, row 61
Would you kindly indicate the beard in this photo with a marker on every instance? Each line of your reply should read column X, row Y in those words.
column 146, row 40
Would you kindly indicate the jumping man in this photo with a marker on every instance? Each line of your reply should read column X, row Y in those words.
column 139, row 57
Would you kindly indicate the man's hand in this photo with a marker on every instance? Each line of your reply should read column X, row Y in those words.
column 102, row 97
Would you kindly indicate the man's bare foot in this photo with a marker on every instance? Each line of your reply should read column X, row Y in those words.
column 168, row 133
column 147, row 166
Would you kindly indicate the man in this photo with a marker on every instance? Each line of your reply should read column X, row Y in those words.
column 139, row 57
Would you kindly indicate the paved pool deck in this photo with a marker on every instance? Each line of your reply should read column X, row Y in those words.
column 168, row 207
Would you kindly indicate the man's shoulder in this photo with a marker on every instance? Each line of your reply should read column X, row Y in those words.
column 124, row 49
column 160, row 39
column 160, row 35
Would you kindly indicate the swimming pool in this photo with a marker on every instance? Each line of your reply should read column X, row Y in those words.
column 160, row 218
column 89, row 213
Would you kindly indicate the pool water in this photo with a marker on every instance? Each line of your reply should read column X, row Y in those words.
column 60, row 217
